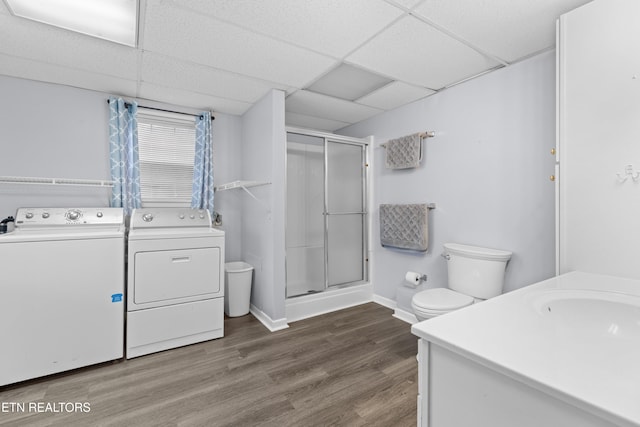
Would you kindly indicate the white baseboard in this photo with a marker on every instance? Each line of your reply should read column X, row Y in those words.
column 405, row 316
column 385, row 302
column 398, row 313
column 306, row 306
column 303, row 307
column 268, row 322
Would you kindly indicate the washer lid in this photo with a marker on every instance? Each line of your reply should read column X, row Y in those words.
column 441, row 299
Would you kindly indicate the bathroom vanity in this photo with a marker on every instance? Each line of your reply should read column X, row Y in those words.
column 562, row 352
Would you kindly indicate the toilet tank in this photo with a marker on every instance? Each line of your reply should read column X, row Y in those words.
column 476, row 271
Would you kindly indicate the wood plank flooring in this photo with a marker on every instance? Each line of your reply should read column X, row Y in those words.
column 353, row 367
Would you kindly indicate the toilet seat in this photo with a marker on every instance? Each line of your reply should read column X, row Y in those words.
column 440, row 300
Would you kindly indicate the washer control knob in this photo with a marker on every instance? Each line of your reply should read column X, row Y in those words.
column 201, row 216
column 73, row 215
column 99, row 214
column 45, row 215
column 181, row 216
column 192, row 216
column 147, row 217
column 29, row 215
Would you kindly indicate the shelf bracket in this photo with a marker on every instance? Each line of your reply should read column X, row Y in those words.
column 245, row 185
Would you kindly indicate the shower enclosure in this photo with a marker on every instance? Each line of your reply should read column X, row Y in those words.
column 326, row 222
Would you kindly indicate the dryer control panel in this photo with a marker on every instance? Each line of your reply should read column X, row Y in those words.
column 169, row 217
column 56, row 217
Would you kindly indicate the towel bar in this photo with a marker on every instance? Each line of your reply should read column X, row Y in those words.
column 423, row 135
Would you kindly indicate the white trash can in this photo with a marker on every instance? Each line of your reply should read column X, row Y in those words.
column 237, row 288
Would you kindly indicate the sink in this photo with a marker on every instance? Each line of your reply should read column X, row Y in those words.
column 591, row 314
column 573, row 337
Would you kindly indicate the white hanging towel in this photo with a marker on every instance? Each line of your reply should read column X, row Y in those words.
column 405, row 152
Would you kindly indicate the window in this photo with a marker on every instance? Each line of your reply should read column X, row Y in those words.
column 166, row 146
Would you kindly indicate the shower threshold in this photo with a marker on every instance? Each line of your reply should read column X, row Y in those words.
column 333, row 299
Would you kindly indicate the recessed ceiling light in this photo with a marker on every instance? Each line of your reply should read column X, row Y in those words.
column 113, row 20
column 348, row 82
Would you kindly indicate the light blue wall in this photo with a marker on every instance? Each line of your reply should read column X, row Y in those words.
column 263, row 159
column 226, row 131
column 50, row 130
column 487, row 170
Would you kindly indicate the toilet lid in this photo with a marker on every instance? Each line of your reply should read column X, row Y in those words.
column 441, row 299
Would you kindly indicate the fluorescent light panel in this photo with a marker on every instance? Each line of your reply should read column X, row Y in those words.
column 348, row 82
column 113, row 20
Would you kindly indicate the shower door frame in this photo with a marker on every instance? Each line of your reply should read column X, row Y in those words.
column 364, row 144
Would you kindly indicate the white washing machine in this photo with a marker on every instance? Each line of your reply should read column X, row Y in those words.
column 62, row 286
column 175, row 280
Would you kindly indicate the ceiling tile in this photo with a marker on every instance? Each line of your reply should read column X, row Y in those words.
column 177, row 32
column 327, row 107
column 310, row 122
column 191, row 99
column 508, row 29
column 417, row 53
column 33, row 40
column 394, row 95
column 171, row 72
column 332, row 27
column 348, row 82
column 35, row 70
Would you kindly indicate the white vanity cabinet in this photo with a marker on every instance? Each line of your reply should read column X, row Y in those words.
column 534, row 357
column 458, row 390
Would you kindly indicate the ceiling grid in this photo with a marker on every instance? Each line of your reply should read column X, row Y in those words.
column 224, row 55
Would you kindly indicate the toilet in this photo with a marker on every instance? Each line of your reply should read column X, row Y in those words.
column 475, row 274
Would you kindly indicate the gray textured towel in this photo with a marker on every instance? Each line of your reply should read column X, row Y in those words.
column 404, row 226
column 404, row 153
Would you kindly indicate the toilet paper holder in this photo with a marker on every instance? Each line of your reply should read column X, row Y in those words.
column 414, row 278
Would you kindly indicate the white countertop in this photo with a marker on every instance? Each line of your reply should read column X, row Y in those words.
column 575, row 336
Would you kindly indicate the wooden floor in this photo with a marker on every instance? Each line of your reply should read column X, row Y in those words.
column 349, row 368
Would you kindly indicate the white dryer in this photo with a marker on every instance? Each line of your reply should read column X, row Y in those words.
column 62, row 288
column 175, row 292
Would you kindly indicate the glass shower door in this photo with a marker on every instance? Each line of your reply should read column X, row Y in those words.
column 305, row 236
column 345, row 213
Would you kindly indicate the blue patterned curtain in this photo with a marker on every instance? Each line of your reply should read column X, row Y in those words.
column 202, row 194
column 123, row 143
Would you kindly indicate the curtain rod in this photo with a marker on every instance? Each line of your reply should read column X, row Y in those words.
column 166, row 111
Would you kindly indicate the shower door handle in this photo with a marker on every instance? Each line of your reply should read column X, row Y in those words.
column 344, row 213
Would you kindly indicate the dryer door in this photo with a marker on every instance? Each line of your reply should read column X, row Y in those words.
column 168, row 277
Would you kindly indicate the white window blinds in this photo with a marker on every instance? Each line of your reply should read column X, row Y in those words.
column 166, row 145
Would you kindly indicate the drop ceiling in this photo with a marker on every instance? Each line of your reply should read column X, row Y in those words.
column 338, row 61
